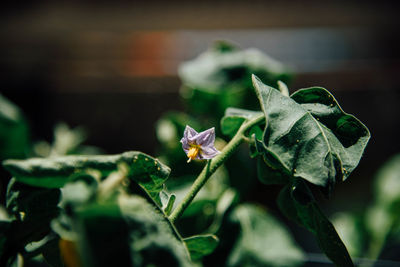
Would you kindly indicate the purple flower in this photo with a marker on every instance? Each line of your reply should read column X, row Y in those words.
column 199, row 145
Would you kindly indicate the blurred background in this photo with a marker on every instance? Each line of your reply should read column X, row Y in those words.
column 111, row 67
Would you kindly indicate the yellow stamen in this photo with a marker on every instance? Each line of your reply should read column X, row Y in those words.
column 193, row 151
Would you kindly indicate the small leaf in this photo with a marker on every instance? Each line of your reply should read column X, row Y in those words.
column 200, row 245
column 263, row 240
column 310, row 137
column 14, row 132
column 234, row 118
column 167, row 201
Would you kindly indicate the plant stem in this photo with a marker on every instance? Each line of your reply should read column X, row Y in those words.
column 212, row 165
column 112, row 182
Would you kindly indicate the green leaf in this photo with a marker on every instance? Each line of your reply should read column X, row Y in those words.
column 221, row 77
column 33, row 209
column 328, row 238
column 310, row 136
column 382, row 217
column 234, row 118
column 14, row 132
column 167, row 201
column 5, row 223
column 55, row 172
column 348, row 130
column 201, row 245
column 267, row 175
column 351, row 229
column 387, row 184
column 131, row 233
column 263, row 240
column 308, row 214
column 225, row 203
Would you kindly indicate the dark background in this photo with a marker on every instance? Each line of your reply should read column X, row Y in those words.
column 111, row 66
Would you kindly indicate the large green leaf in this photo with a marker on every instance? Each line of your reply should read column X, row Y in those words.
column 301, row 207
column 147, row 171
column 14, row 134
column 352, row 135
column 309, row 136
column 200, row 245
column 131, row 233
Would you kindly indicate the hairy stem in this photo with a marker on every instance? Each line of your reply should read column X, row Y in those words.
column 212, row 165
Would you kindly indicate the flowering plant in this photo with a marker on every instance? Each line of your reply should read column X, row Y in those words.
column 96, row 210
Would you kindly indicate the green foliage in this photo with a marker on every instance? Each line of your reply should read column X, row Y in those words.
column 221, row 77
column 31, row 210
column 200, row 245
column 306, row 136
column 109, row 210
column 234, row 118
column 14, row 134
column 309, row 136
column 298, row 204
column 55, row 172
column 263, row 241
column 131, row 233
column 383, row 216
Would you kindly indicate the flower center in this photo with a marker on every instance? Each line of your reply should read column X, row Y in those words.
column 193, row 152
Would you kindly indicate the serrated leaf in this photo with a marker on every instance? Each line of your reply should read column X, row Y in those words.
column 234, row 118
column 304, row 140
column 311, row 217
column 200, row 245
column 263, row 240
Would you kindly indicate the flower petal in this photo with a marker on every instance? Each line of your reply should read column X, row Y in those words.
column 189, row 133
column 185, row 144
column 206, row 138
column 208, row 152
